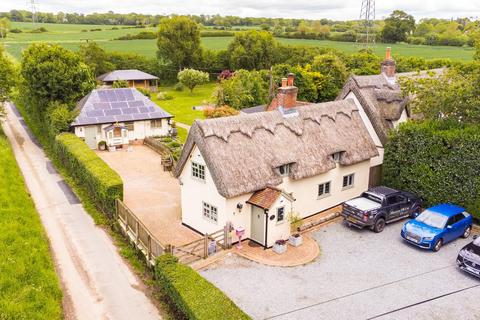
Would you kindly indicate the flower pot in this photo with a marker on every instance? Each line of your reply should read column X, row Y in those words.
column 279, row 248
column 295, row 240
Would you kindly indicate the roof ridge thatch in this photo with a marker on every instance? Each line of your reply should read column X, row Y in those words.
column 242, row 152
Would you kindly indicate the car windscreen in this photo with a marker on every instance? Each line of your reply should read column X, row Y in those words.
column 372, row 197
column 477, row 242
column 433, row 219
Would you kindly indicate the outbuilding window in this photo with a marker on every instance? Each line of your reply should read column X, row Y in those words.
column 348, row 181
column 210, row 212
column 129, row 125
column 284, row 170
column 198, row 171
column 156, row 124
column 324, row 190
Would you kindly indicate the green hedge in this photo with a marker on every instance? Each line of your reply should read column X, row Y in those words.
column 440, row 161
column 101, row 182
column 191, row 294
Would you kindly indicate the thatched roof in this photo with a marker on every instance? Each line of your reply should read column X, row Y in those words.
column 243, row 152
column 381, row 99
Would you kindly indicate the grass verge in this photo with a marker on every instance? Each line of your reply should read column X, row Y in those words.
column 29, row 286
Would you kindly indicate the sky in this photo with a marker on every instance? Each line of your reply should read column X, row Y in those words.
column 302, row 9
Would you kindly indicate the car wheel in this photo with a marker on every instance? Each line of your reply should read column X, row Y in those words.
column 467, row 232
column 379, row 225
column 438, row 245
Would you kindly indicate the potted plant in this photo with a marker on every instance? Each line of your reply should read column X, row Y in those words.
column 102, row 145
column 174, row 131
column 296, row 223
column 280, row 246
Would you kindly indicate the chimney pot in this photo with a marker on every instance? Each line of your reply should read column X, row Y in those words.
column 284, row 82
column 388, row 54
column 290, row 79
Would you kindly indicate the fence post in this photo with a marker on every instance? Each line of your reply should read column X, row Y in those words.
column 149, row 247
column 136, row 232
column 205, row 246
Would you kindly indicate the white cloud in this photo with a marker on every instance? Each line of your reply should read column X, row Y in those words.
column 340, row 9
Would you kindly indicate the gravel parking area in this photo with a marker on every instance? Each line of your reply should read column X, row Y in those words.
column 359, row 275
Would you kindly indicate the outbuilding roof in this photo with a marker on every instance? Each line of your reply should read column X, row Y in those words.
column 116, row 105
column 243, row 152
column 132, row 74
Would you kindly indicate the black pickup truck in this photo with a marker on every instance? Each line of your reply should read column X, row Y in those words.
column 379, row 206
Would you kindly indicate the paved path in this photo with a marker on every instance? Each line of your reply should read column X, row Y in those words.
column 183, row 125
column 97, row 283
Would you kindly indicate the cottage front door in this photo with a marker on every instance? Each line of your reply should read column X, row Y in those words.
column 258, row 221
column 91, row 136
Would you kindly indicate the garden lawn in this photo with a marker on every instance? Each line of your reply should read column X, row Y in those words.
column 183, row 101
column 29, row 287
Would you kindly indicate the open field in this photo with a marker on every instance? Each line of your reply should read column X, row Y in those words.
column 182, row 102
column 70, row 36
column 28, row 283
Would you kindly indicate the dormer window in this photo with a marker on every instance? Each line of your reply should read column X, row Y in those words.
column 284, row 170
column 336, row 156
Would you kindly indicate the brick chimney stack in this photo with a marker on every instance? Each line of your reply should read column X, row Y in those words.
column 287, row 93
column 388, row 66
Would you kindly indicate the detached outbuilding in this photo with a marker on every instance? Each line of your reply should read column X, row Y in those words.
column 135, row 79
column 119, row 117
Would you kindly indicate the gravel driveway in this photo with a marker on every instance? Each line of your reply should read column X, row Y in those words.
column 359, row 275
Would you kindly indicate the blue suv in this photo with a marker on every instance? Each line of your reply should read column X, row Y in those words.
column 437, row 226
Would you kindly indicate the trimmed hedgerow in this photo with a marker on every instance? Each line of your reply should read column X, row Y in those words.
column 192, row 295
column 439, row 161
column 100, row 181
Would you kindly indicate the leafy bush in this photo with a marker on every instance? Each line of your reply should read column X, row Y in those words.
column 179, row 87
column 120, row 84
column 39, row 30
column 219, row 112
column 140, row 36
column 193, row 295
column 16, row 31
column 144, row 91
column 164, row 96
column 96, row 29
column 59, row 118
column 205, row 34
column 191, row 78
column 436, row 160
column 100, row 181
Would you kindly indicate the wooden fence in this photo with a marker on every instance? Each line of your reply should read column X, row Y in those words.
column 138, row 233
column 168, row 162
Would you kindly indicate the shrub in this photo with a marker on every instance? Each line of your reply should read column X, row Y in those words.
column 193, row 295
column 96, row 29
column 219, row 112
column 102, row 184
column 140, row 36
column 179, row 87
column 59, row 118
column 174, row 145
column 16, row 31
column 191, row 78
column 39, row 30
column 436, row 160
column 120, row 84
column 145, row 92
column 164, row 96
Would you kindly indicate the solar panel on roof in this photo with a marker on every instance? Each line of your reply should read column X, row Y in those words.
column 152, row 109
column 103, row 96
column 119, row 105
column 106, row 119
column 140, row 116
column 113, row 112
column 129, row 95
column 124, row 117
column 155, row 115
column 136, row 104
column 101, row 105
column 95, row 113
column 112, row 97
column 130, row 110
column 121, row 95
column 143, row 110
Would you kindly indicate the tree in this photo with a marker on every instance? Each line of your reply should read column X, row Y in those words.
column 53, row 73
column 252, row 50
column 397, row 27
column 4, row 27
column 191, row 78
column 335, row 72
column 7, row 78
column 454, row 95
column 96, row 58
column 179, row 42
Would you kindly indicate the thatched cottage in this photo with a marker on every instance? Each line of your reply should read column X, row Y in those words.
column 381, row 104
column 255, row 169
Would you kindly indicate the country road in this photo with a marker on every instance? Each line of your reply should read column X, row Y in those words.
column 97, row 284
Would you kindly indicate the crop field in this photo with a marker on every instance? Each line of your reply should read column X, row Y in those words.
column 70, row 36
column 29, row 286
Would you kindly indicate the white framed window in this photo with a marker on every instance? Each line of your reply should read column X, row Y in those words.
column 198, row 171
column 210, row 212
column 156, row 124
column 130, row 126
column 348, row 181
column 324, row 189
column 280, row 214
column 284, row 170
